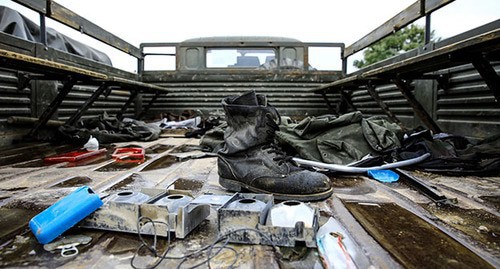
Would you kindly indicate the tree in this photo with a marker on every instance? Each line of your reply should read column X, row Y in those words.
column 403, row 40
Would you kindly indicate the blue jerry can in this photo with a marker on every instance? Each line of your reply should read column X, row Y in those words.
column 64, row 214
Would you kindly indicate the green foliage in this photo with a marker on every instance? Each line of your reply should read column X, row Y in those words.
column 403, row 40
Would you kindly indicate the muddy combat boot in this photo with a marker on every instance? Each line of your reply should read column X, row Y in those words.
column 252, row 161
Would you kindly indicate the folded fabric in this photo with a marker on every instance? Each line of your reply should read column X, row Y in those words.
column 340, row 140
column 107, row 129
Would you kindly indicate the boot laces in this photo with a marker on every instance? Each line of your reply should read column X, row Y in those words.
column 281, row 156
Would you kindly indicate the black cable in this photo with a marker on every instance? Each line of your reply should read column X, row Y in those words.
column 235, row 231
column 152, row 249
column 224, row 246
column 184, row 258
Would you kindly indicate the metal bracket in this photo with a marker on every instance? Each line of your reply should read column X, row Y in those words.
column 442, row 79
column 95, row 95
column 489, row 75
column 133, row 95
column 419, row 110
column 347, row 100
column 107, row 91
column 429, row 191
column 53, row 106
column 150, row 104
column 336, row 111
column 23, row 80
column 376, row 97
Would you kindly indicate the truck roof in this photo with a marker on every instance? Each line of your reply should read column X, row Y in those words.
column 219, row 39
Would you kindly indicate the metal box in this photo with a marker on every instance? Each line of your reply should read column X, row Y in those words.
column 170, row 210
column 254, row 211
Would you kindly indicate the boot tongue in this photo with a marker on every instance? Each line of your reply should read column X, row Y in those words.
column 247, row 99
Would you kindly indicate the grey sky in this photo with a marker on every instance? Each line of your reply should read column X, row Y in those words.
column 312, row 21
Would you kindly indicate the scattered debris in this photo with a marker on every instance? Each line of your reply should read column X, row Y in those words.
column 483, row 229
column 74, row 156
column 337, row 249
column 68, row 244
column 92, row 144
column 135, row 154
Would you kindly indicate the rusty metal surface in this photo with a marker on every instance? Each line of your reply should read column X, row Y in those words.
column 28, row 185
column 27, row 189
column 35, row 188
column 17, row 59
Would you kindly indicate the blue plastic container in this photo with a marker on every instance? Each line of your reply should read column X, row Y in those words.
column 386, row 176
column 64, row 214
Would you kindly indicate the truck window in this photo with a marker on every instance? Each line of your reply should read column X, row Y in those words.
column 238, row 58
column 325, row 58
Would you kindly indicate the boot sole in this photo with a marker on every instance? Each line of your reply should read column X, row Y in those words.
column 236, row 186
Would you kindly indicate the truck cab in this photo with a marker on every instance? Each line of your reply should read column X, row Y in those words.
column 241, row 52
column 206, row 69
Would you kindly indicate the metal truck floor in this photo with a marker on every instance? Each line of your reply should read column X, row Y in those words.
column 393, row 224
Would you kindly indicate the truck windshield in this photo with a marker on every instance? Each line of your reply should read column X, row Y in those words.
column 238, row 58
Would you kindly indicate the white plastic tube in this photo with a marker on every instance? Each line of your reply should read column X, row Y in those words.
column 350, row 169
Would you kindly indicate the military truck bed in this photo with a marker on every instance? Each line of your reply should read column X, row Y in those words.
column 394, row 225
column 424, row 220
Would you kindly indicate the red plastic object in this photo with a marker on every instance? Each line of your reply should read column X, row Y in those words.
column 129, row 153
column 73, row 156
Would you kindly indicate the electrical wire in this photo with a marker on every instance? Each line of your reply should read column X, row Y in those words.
column 152, row 248
column 209, row 255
